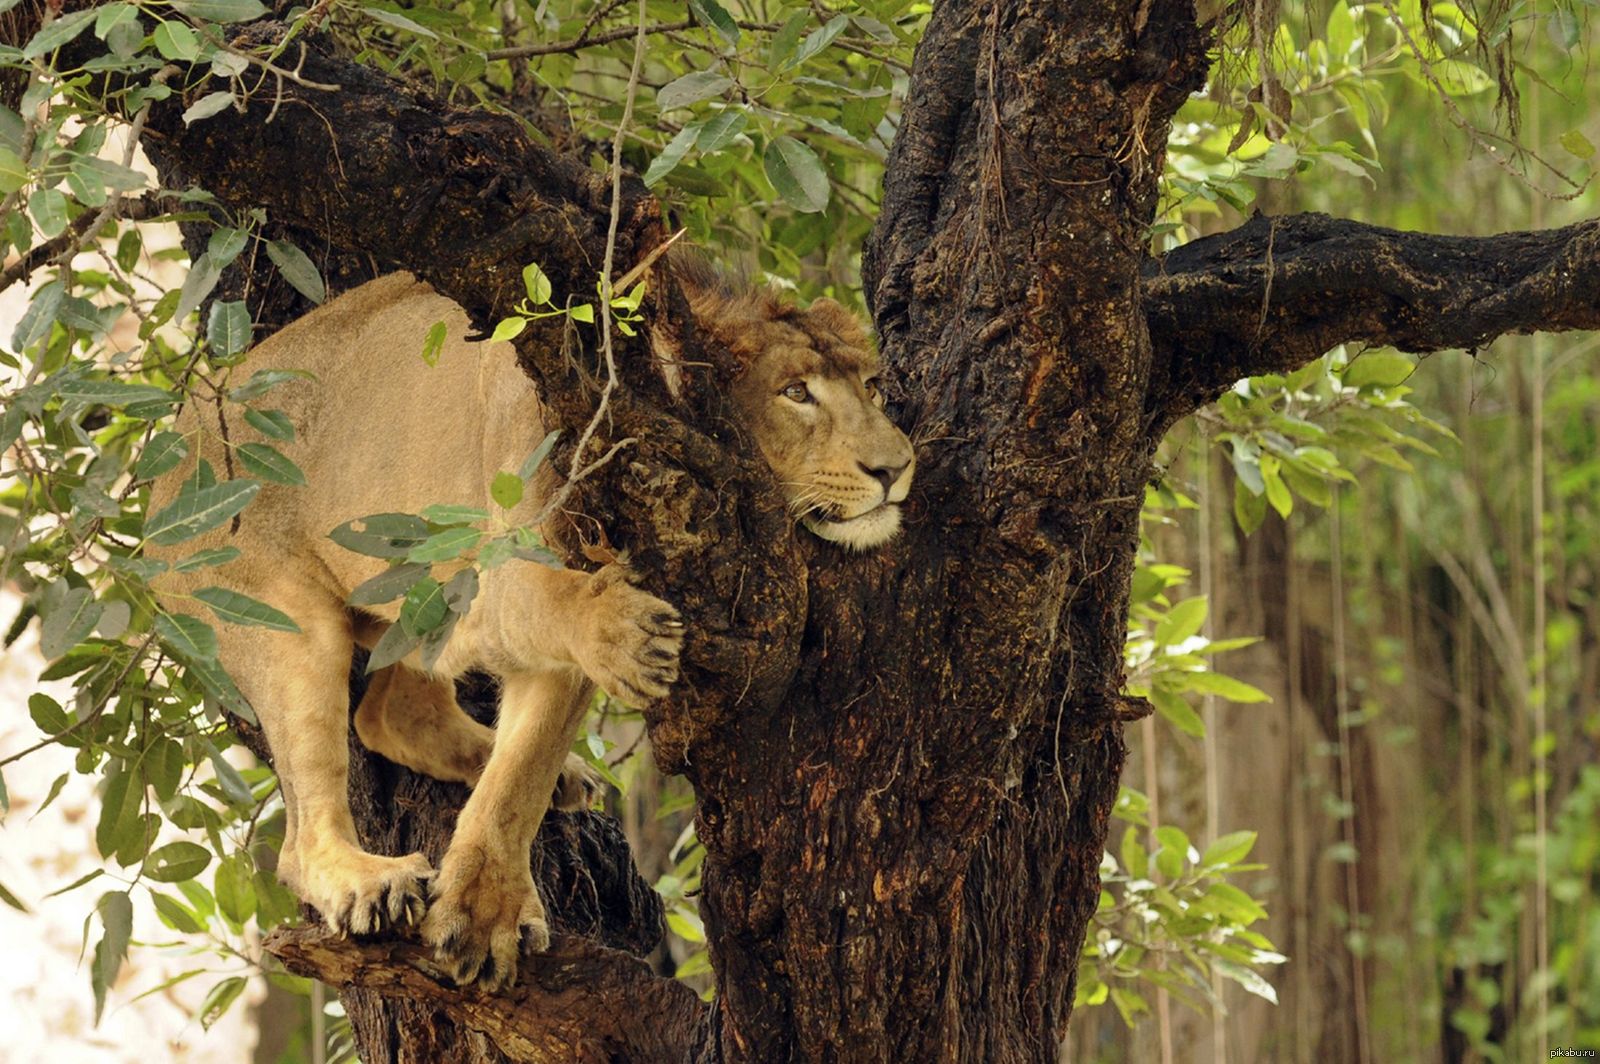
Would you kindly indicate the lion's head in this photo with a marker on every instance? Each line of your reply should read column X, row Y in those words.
column 809, row 394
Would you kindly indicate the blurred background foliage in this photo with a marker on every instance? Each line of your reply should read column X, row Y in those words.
column 1366, row 608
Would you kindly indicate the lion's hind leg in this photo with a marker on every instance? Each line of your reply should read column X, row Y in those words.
column 297, row 684
column 413, row 719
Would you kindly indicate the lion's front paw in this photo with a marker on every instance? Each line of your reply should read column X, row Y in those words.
column 632, row 640
column 363, row 893
column 577, row 787
column 476, row 920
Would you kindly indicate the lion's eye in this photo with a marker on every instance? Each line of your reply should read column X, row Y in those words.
column 797, row 393
column 873, row 392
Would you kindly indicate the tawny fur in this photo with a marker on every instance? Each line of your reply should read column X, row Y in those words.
column 380, row 431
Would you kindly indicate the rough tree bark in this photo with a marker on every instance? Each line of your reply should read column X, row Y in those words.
column 905, row 762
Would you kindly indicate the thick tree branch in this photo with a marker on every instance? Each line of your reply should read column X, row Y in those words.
column 578, row 1002
column 1277, row 292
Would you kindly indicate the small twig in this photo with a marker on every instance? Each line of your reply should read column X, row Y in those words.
column 94, row 713
column 576, row 472
column 645, row 263
column 580, row 42
column 74, row 239
column 1476, row 135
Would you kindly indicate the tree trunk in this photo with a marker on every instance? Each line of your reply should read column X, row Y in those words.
column 905, row 761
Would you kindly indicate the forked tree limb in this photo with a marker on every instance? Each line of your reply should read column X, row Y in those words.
column 578, row 1002
column 1277, row 292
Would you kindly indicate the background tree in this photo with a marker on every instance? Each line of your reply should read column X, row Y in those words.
column 903, row 824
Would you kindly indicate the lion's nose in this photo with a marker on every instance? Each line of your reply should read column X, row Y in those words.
column 884, row 475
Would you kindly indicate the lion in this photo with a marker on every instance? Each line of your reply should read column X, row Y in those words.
column 378, row 430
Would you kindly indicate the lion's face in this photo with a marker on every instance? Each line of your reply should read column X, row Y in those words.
column 809, row 394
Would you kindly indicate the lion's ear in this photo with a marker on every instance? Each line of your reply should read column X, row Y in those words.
column 841, row 322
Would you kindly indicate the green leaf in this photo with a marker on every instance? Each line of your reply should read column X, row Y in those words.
column 395, row 644
column 1225, row 686
column 217, row 1002
column 204, row 273
column 235, row 608
column 212, row 103
column 710, row 13
column 1177, row 712
column 1247, row 978
column 671, row 155
column 41, row 314
column 119, row 811
column 1577, row 144
column 448, row 514
column 434, row 642
column 13, row 171
column 506, row 489
column 387, row 585
column 263, row 381
column 48, row 208
column 787, row 39
column 1227, row 900
column 164, row 451
column 1182, row 621
column 200, row 559
column 48, row 714
column 297, row 269
column 233, row 784
column 424, row 607
column 225, row 243
column 691, row 89
column 111, row 16
column 228, row 327
column 236, row 898
column 433, row 343
column 176, row 41
column 686, row 925
column 442, row 546
column 508, row 329
column 1229, row 849
column 12, row 900
column 381, row 535
column 399, row 21
column 59, row 32
column 1277, row 492
column 797, row 174
column 221, row 10
column 69, row 622
column 537, row 284
column 175, row 915
column 720, row 130
column 176, row 862
column 116, row 916
column 105, row 391
column 461, row 590
column 1383, row 369
column 164, row 764
column 188, row 637
column 540, row 453
column 196, row 510
column 1249, row 509
column 273, row 423
column 1461, row 78
column 819, row 39
column 1135, row 860
column 268, row 463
